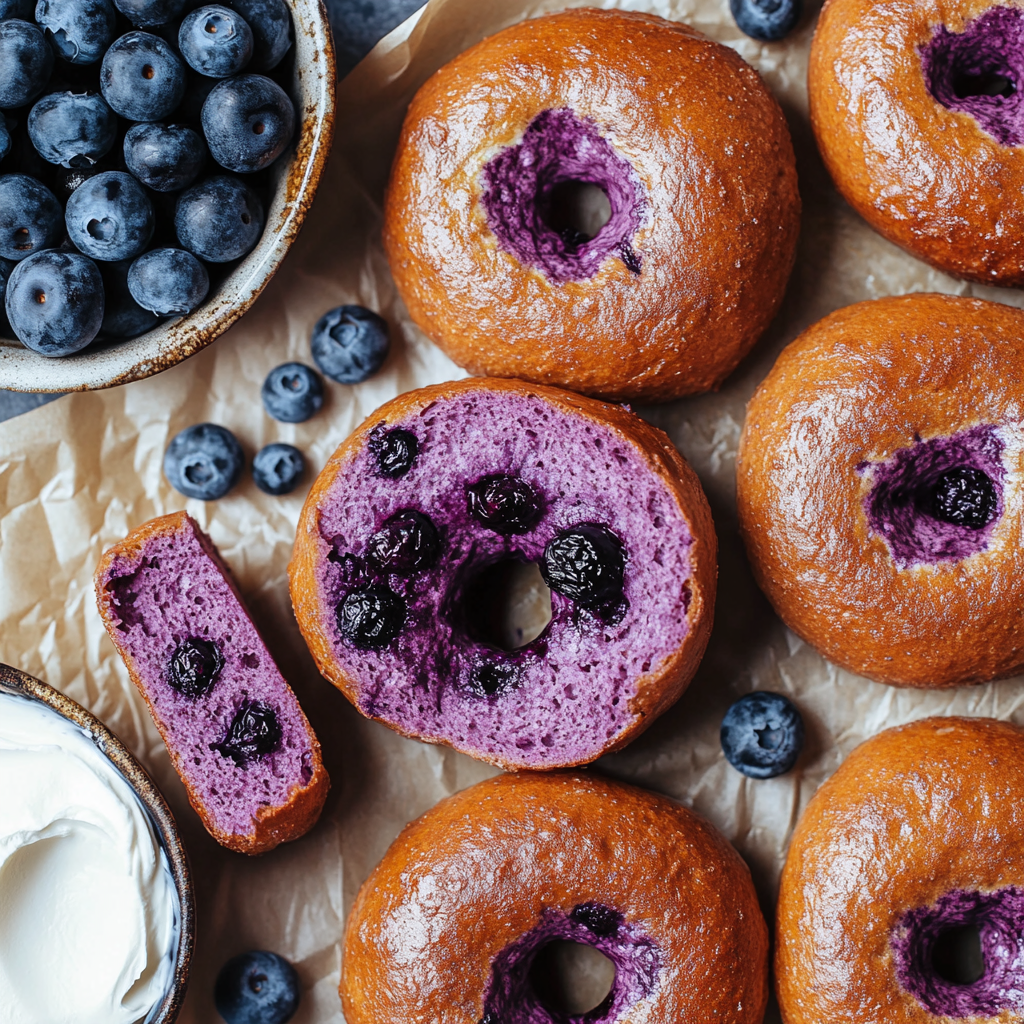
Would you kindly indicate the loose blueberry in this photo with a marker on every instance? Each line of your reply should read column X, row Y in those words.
column 762, row 735
column 141, row 77
column 30, row 217
column 493, row 678
column 248, row 121
column 195, row 666
column 149, row 13
column 80, row 30
column 169, row 282
column 72, row 129
column 110, row 217
column 26, row 61
column 257, row 988
column 204, row 462
column 292, row 393
column 278, row 468
column 271, row 24
column 255, row 732
column 504, row 504
column 405, row 544
column 219, row 219
column 350, row 344
column 394, row 451
column 54, row 302
column 215, row 41
column 23, row 10
column 586, row 565
column 601, row 920
column 964, row 497
column 164, row 157
column 123, row 317
column 371, row 617
column 766, row 20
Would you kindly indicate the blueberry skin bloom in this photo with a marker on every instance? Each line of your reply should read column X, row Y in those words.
column 766, row 20
column 151, row 12
column 271, row 24
column 219, row 219
column 257, row 988
column 79, row 30
column 248, row 120
column 20, row 9
column 30, row 217
column 123, row 317
column 292, row 393
column 164, row 157
column 54, row 302
column 168, row 282
column 762, row 735
column 350, row 344
column 110, row 217
column 215, row 41
column 278, row 468
column 204, row 462
column 72, row 129
column 26, row 61
column 141, row 77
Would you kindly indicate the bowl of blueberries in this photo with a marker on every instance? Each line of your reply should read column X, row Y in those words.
column 157, row 158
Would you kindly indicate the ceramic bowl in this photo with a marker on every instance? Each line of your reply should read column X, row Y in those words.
column 13, row 681
column 294, row 178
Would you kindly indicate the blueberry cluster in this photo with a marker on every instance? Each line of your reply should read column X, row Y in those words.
column 134, row 140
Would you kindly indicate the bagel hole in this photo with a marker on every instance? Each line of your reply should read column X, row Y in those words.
column 571, row 979
column 577, row 210
column 957, row 956
column 983, row 83
column 507, row 605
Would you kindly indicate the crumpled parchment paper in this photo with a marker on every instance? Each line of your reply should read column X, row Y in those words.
column 79, row 474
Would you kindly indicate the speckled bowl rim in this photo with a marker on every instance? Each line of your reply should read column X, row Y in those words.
column 295, row 177
column 19, row 683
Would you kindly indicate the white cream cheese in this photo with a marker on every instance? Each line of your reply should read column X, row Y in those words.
column 88, row 909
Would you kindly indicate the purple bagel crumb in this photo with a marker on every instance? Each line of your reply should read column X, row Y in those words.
column 558, row 147
column 900, row 486
column 174, row 591
column 510, row 998
column 999, row 918
column 990, row 48
column 569, row 690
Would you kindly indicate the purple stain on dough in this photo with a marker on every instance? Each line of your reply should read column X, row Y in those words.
column 903, row 506
column 980, row 72
column 510, row 998
column 999, row 919
column 521, row 195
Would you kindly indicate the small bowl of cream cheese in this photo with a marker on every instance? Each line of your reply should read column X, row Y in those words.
column 96, row 904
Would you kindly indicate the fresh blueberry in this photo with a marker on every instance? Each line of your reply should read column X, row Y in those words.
column 586, row 565
column 394, row 451
column 271, row 24
column 215, row 41
column 204, row 461
column 292, row 393
column 26, row 61
column 123, row 317
column 170, row 282
column 762, row 735
column 248, row 121
column 350, row 344
column 23, row 10
column 371, row 617
column 80, row 30
column 164, row 157
column 278, row 468
column 964, row 497
column 54, row 302
column 149, row 13
column 257, row 988
column 504, row 504
column 766, row 20
column 30, row 217
column 406, row 543
column 5, row 137
column 72, row 129
column 141, row 77
column 110, row 217
column 254, row 732
column 219, row 220
column 195, row 666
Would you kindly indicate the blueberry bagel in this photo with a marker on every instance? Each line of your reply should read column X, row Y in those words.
column 493, row 223
column 908, row 848
column 410, row 523
column 879, row 489
column 918, row 108
column 449, row 925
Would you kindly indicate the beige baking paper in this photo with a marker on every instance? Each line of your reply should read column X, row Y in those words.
column 77, row 475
